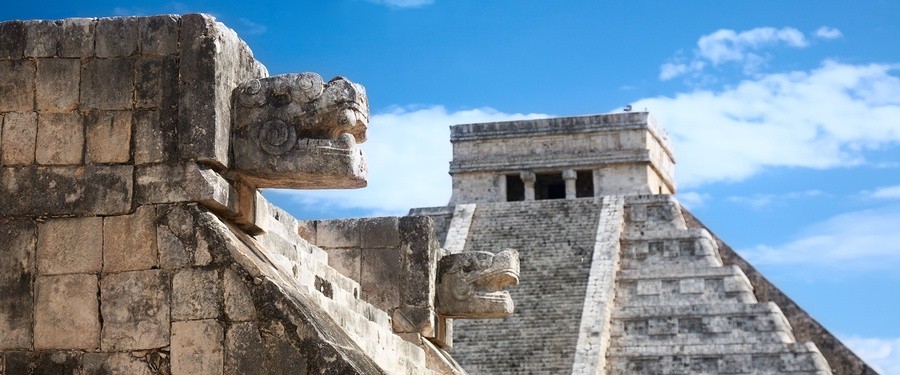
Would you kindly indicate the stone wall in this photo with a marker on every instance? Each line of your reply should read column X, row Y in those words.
column 129, row 244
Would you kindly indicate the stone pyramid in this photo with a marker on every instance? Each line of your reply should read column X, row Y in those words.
column 616, row 276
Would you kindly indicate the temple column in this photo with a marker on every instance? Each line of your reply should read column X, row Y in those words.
column 528, row 180
column 569, row 176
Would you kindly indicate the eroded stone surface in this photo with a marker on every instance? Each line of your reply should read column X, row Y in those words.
column 197, row 294
column 114, row 363
column 57, row 84
column 60, row 139
column 70, row 246
column 197, row 347
column 108, row 137
column 135, row 310
column 65, row 190
column 129, row 241
column 66, row 312
column 238, row 301
column 16, row 84
column 16, row 276
column 18, row 138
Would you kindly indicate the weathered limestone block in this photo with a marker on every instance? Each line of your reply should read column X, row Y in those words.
column 210, row 52
column 116, row 37
column 155, row 139
column 107, row 83
column 60, row 139
column 238, row 301
column 19, row 136
column 66, row 312
column 114, row 363
column 156, row 82
column 135, row 309
column 57, row 84
column 46, row 362
column 419, row 253
column 187, row 182
column 175, row 236
column 77, row 39
column 346, row 261
column 337, row 233
column 296, row 131
column 72, row 245
column 379, row 279
column 159, row 35
column 197, row 348
column 18, row 239
column 12, row 39
column 108, row 136
column 379, row 232
column 244, row 350
column 471, row 284
column 16, row 84
column 42, row 38
column 196, row 294
column 307, row 230
column 129, row 241
column 68, row 190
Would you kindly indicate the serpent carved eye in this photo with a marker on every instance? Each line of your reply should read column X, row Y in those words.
column 310, row 86
column 251, row 94
column 276, row 137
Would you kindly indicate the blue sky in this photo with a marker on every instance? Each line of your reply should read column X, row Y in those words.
column 785, row 115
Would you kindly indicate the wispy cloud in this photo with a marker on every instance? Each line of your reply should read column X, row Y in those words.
column 856, row 240
column 880, row 353
column 403, row 3
column 251, row 28
column 824, row 118
column 885, row 192
column 693, row 200
column 759, row 201
column 408, row 153
column 728, row 46
column 828, row 33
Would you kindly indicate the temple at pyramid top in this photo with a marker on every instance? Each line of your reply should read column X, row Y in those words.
column 558, row 158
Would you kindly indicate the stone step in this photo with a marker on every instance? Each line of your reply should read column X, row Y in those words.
column 724, row 323
column 653, row 211
column 674, row 285
column 694, row 247
column 803, row 358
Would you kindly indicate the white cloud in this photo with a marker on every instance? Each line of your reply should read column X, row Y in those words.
column 862, row 240
column 759, row 201
column 885, row 192
column 693, row 200
column 828, row 33
column 824, row 118
column 403, row 3
column 408, row 153
column 882, row 354
column 728, row 46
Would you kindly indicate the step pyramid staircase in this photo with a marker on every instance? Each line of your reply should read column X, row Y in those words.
column 679, row 310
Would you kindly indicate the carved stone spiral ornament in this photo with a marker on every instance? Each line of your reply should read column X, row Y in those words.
column 276, row 137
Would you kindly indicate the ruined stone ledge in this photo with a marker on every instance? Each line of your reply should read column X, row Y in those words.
column 187, row 182
column 547, row 126
column 34, row 191
column 541, row 161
